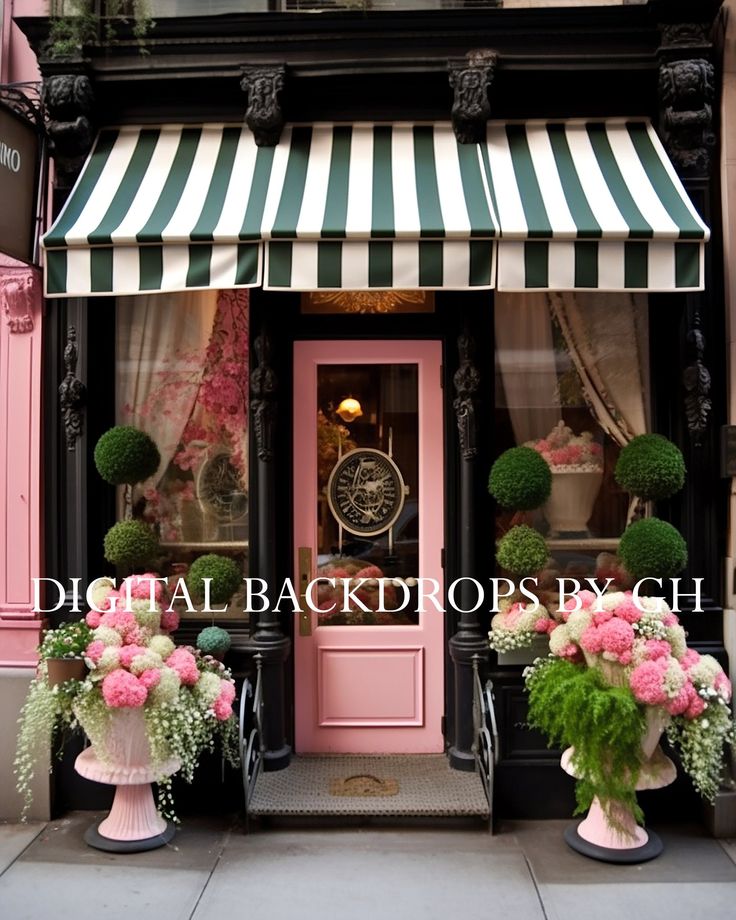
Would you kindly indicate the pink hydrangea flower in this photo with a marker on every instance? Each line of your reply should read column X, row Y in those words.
column 120, row 620
column 543, row 624
column 128, row 653
column 670, row 619
column 227, row 690
column 150, row 678
column 696, row 707
column 94, row 650
column 222, row 708
column 723, row 685
column 185, row 665
column 657, row 648
column 682, row 701
column 617, row 639
column 169, row 620
column 627, row 610
column 140, row 586
column 110, row 601
column 121, row 689
column 690, row 658
column 591, row 640
column 646, row 682
column 587, row 599
column 93, row 619
column 603, row 616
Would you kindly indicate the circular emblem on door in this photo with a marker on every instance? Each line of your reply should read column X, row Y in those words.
column 366, row 491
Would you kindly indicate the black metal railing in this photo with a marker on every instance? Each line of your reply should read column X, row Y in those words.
column 251, row 745
column 485, row 746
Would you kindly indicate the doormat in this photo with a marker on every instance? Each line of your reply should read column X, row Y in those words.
column 364, row 786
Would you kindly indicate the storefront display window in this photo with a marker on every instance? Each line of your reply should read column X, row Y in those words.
column 572, row 382
column 182, row 377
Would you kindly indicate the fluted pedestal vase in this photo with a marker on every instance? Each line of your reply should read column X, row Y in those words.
column 133, row 824
column 623, row 840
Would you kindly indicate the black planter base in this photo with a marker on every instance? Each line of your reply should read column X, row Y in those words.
column 95, row 839
column 651, row 849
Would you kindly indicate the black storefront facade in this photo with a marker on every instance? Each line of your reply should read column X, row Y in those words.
column 276, row 74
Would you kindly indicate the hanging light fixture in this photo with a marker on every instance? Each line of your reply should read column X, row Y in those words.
column 349, row 409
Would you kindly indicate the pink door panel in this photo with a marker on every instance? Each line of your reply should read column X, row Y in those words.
column 369, row 681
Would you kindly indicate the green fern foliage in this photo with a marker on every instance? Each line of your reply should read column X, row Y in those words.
column 573, row 706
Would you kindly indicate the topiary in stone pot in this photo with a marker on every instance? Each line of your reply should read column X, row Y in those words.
column 124, row 455
column 650, row 467
column 224, row 572
column 520, row 479
column 130, row 544
column 522, row 551
column 652, row 549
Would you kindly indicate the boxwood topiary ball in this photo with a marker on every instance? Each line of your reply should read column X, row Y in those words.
column 652, row 549
column 520, row 479
column 651, row 467
column 130, row 544
column 213, row 640
column 126, row 455
column 225, row 575
column 522, row 551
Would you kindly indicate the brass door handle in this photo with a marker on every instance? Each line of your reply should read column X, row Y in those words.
column 305, row 576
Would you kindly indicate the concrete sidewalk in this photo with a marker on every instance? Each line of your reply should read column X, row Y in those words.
column 524, row 872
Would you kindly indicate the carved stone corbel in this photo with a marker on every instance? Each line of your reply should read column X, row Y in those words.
column 69, row 100
column 470, row 78
column 263, row 388
column 264, row 117
column 466, row 380
column 686, row 92
column 697, row 381
column 20, row 294
column 72, row 393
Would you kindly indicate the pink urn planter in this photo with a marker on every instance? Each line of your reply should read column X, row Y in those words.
column 626, row 842
column 133, row 824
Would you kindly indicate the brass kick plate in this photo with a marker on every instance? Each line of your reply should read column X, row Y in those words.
column 305, row 576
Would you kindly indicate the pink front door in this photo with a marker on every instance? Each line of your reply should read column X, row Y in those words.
column 368, row 512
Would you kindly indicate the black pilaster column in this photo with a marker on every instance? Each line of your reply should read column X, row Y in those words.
column 468, row 640
column 268, row 639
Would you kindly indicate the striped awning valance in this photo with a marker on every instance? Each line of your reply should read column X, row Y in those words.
column 558, row 205
column 333, row 206
column 591, row 205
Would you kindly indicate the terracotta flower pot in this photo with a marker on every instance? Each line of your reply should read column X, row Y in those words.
column 63, row 669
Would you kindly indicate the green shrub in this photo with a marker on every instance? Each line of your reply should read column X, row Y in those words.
column 520, row 479
column 126, row 455
column 213, row 640
column 650, row 467
column 224, row 572
column 652, row 549
column 130, row 544
column 522, row 551
column 575, row 707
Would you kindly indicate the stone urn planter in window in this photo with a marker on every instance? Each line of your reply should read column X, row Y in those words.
column 571, row 501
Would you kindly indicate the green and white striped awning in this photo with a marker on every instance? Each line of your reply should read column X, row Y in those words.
column 559, row 205
column 332, row 206
column 591, row 205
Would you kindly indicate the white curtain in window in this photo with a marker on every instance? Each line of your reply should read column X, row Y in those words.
column 607, row 338
column 161, row 344
column 526, row 360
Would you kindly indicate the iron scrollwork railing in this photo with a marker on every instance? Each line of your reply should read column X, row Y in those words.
column 251, row 735
column 485, row 746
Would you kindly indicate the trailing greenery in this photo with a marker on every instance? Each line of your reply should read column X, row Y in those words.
column 651, row 548
column 213, row 640
column 126, row 455
column 520, row 479
column 224, row 572
column 75, row 24
column 522, row 551
column 651, row 467
column 68, row 640
column 574, row 707
column 130, row 544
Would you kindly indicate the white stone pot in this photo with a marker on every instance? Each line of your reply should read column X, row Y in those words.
column 571, row 501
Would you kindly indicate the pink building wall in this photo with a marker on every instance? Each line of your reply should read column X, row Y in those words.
column 20, row 404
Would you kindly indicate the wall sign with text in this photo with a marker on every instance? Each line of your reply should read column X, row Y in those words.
column 18, row 185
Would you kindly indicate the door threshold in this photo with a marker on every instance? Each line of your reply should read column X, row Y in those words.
column 357, row 786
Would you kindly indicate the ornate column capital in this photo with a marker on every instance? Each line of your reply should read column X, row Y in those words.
column 68, row 99
column 20, row 296
column 470, row 78
column 263, row 84
column 263, row 388
column 686, row 95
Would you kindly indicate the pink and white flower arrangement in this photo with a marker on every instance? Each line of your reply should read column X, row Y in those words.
column 640, row 645
column 516, row 625
column 566, row 452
